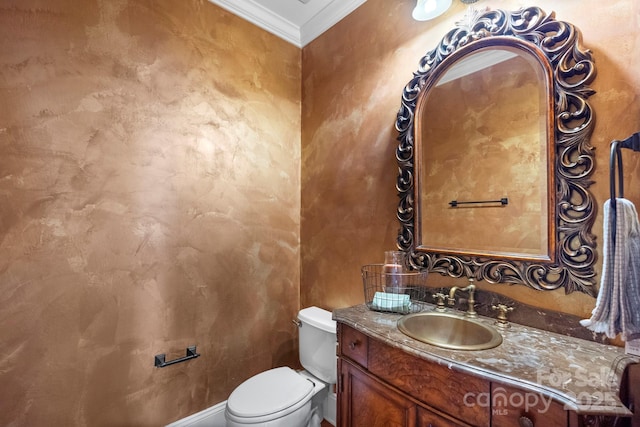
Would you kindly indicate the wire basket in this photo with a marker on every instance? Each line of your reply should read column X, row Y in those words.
column 394, row 292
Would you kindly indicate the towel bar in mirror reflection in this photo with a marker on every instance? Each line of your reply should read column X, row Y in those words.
column 503, row 202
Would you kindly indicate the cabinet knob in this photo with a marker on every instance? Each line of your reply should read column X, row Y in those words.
column 354, row 344
column 525, row 422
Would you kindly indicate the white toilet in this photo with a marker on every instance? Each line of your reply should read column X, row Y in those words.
column 282, row 397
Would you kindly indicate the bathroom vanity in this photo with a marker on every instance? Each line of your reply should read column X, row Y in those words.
column 528, row 64
column 534, row 378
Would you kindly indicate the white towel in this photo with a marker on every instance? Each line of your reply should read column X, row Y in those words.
column 617, row 309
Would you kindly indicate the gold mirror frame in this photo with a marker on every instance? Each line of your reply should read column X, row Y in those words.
column 571, row 264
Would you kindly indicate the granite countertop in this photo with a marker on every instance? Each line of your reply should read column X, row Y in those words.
column 583, row 375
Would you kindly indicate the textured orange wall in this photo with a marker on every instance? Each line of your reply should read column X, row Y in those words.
column 353, row 77
column 150, row 189
column 149, row 200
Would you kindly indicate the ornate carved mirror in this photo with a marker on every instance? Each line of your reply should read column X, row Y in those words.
column 494, row 154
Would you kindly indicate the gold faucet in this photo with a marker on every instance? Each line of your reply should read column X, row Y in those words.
column 502, row 321
column 471, row 288
column 440, row 297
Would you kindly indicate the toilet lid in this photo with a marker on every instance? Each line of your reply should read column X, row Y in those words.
column 269, row 392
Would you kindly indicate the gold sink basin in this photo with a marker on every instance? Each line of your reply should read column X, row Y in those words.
column 448, row 330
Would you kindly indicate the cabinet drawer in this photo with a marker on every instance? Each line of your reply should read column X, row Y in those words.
column 509, row 404
column 353, row 345
column 436, row 385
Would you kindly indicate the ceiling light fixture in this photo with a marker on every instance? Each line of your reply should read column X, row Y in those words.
column 429, row 9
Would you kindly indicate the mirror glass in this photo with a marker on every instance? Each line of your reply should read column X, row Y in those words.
column 483, row 150
column 494, row 155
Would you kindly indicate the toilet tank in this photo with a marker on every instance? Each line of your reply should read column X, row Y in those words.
column 317, row 339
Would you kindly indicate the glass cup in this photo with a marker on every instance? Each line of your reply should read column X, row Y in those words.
column 394, row 267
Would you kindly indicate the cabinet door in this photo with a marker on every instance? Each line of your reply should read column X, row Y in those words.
column 630, row 392
column 437, row 386
column 427, row 418
column 509, row 405
column 366, row 402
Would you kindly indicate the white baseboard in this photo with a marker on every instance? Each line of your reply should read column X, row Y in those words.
column 214, row 416
column 330, row 408
column 210, row 417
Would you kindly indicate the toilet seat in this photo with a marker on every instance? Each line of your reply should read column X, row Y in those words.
column 269, row 395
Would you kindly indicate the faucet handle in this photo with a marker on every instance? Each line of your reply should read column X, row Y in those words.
column 439, row 297
column 501, row 320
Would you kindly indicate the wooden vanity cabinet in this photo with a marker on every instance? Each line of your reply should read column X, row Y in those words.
column 380, row 385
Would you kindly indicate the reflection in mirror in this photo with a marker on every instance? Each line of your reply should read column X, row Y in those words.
column 498, row 110
column 483, row 138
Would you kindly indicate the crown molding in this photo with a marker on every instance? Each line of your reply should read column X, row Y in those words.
column 263, row 18
column 326, row 19
column 283, row 28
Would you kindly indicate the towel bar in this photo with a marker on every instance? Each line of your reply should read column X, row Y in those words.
column 160, row 362
column 615, row 160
